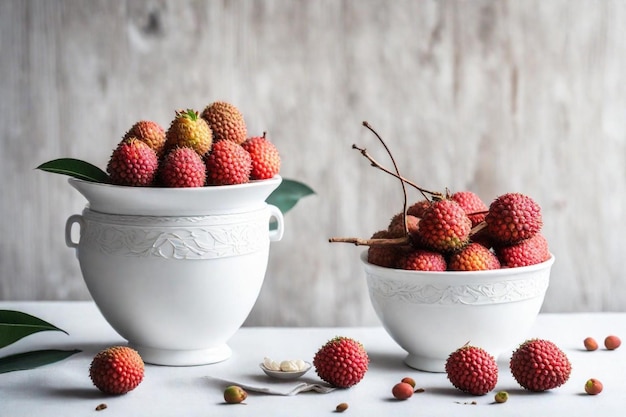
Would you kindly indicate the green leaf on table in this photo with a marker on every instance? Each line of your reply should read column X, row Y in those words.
column 288, row 193
column 34, row 359
column 15, row 325
column 75, row 168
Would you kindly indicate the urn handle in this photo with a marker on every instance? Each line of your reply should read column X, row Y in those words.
column 277, row 215
column 75, row 218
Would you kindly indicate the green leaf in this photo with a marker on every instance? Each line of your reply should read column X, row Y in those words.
column 34, row 359
column 75, row 168
column 288, row 193
column 14, row 325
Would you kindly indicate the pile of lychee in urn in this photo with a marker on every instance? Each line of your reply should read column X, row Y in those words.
column 198, row 149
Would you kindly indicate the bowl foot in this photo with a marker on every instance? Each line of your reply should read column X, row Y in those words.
column 423, row 363
column 172, row 357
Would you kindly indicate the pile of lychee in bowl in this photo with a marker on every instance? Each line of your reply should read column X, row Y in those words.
column 174, row 242
column 450, row 270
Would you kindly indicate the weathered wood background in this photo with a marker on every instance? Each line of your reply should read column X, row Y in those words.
column 491, row 96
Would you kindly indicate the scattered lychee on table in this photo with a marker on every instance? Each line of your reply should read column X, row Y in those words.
column 472, row 369
column 342, row 362
column 117, row 370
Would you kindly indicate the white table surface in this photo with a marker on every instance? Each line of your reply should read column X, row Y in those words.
column 64, row 388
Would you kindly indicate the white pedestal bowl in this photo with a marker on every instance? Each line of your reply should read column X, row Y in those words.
column 178, row 281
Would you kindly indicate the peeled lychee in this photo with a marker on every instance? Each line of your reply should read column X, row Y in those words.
column 342, row 362
column 539, row 365
column 117, row 370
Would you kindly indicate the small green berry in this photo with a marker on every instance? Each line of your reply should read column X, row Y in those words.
column 234, row 394
column 501, row 396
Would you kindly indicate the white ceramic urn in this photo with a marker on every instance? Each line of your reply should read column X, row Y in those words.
column 175, row 271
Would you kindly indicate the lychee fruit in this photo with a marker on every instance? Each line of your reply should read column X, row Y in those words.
column 396, row 225
column 473, row 257
column 226, row 122
column 149, row 132
column 383, row 255
column 342, row 362
column 418, row 208
column 590, row 344
column 117, row 370
column 474, row 207
column 189, row 130
column 530, row 251
column 593, row 386
column 234, row 394
column 182, row 167
column 422, row 260
column 227, row 164
column 472, row 369
column 402, row 391
column 444, row 226
column 265, row 157
column 513, row 217
column 539, row 365
column 133, row 163
column 612, row 342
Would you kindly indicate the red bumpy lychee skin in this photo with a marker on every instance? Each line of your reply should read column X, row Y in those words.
column 182, row 168
column 396, row 225
column 527, row 252
column 539, row 365
column 149, row 132
column 265, row 157
column 473, row 257
column 133, row 163
column 384, row 255
column 513, row 217
column 227, row 164
column 342, row 362
column 444, row 226
column 472, row 369
column 422, row 260
column 475, row 208
column 418, row 208
column 117, row 370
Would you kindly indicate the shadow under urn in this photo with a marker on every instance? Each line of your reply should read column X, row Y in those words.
column 175, row 271
column 431, row 314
